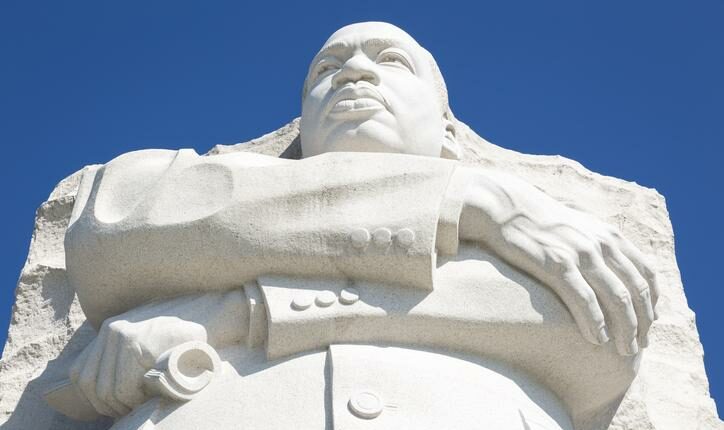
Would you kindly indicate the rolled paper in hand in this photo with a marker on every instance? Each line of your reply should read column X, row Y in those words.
column 183, row 371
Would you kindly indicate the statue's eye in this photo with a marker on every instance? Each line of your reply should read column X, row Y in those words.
column 325, row 67
column 395, row 57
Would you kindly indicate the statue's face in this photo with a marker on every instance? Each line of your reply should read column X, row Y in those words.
column 371, row 89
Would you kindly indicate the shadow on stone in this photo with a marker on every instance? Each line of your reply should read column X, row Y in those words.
column 294, row 150
column 32, row 412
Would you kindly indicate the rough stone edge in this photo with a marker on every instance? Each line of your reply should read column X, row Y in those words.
column 42, row 342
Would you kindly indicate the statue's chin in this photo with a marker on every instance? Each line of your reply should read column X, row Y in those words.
column 358, row 145
column 379, row 133
column 370, row 136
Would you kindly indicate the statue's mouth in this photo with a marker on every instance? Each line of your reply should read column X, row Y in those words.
column 361, row 104
column 356, row 98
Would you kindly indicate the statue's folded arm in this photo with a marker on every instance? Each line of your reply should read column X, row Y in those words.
column 157, row 224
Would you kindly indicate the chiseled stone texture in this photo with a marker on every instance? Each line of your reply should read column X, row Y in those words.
column 46, row 320
column 670, row 393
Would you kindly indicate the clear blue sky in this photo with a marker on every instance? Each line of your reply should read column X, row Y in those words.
column 629, row 89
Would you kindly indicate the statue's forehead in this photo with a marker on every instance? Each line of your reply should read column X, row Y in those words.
column 356, row 34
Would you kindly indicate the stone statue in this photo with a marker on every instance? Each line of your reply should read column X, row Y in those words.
column 375, row 283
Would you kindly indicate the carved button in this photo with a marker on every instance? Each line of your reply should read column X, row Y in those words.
column 360, row 237
column 382, row 236
column 301, row 303
column 365, row 404
column 325, row 299
column 348, row 296
column 405, row 237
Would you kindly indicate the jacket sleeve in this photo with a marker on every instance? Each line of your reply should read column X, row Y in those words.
column 157, row 224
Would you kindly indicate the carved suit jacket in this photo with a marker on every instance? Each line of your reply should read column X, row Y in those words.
column 337, row 249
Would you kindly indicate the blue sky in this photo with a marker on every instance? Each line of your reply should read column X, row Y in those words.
column 629, row 89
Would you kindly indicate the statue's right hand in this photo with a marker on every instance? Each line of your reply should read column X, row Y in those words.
column 607, row 284
column 109, row 372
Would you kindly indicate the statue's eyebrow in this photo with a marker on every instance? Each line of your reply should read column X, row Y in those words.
column 382, row 43
column 331, row 50
column 341, row 47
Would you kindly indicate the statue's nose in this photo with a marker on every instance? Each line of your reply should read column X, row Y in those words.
column 357, row 68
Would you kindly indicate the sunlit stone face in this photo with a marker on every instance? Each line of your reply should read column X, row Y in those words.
column 371, row 89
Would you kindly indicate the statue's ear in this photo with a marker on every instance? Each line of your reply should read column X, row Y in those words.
column 451, row 149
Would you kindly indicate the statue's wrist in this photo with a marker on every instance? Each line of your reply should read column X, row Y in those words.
column 485, row 209
column 227, row 322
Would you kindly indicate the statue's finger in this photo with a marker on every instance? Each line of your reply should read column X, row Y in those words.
column 79, row 363
column 89, row 376
column 637, row 286
column 644, row 267
column 107, row 374
column 559, row 271
column 617, row 304
column 129, row 377
column 581, row 302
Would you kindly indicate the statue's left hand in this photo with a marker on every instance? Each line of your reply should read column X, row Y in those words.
column 110, row 371
column 606, row 283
